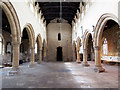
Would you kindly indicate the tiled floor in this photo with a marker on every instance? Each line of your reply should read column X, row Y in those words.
column 61, row 75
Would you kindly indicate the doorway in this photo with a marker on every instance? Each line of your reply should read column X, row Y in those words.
column 59, row 53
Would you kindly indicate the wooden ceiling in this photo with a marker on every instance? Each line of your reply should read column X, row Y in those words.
column 65, row 10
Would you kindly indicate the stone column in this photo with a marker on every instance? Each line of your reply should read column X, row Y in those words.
column 32, row 57
column 40, row 56
column 78, row 57
column 15, row 60
column 98, row 66
column 85, row 63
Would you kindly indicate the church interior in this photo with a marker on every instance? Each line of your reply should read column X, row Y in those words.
column 59, row 44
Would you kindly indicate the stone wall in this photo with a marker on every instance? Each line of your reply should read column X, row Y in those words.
column 66, row 41
column 112, row 38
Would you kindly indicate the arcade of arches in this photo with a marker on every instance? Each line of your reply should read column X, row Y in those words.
column 59, row 44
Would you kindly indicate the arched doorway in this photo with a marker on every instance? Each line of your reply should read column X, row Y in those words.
column 12, row 28
column 59, row 54
column 105, row 24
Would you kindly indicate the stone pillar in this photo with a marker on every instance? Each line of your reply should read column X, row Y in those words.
column 78, row 57
column 15, row 60
column 40, row 56
column 85, row 63
column 98, row 66
column 32, row 57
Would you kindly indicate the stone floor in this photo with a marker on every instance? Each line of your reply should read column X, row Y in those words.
column 61, row 75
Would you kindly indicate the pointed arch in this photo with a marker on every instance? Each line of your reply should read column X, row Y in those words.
column 100, row 26
column 13, row 20
column 98, row 32
column 85, row 38
column 31, row 34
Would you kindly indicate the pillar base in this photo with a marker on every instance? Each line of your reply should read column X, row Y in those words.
column 99, row 69
column 32, row 65
column 78, row 61
column 14, row 71
column 85, row 64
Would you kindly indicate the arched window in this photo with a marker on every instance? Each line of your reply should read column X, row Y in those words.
column 59, row 36
column 105, row 47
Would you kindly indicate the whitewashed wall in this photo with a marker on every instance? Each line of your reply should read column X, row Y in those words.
column 26, row 15
column 98, row 8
